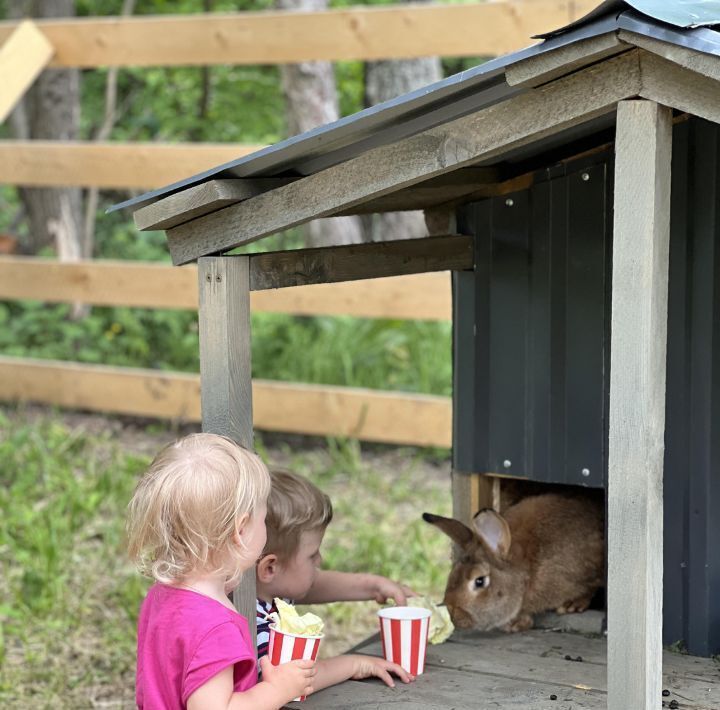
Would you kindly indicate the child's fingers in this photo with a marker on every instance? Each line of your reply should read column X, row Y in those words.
column 304, row 663
column 401, row 673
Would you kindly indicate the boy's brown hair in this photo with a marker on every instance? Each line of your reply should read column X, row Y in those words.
column 295, row 505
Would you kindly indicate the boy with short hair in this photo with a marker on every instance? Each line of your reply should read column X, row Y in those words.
column 298, row 513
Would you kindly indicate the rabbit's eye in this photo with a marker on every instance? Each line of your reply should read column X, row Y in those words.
column 482, row 582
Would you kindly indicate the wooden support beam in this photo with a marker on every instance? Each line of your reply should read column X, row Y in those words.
column 110, row 165
column 706, row 64
column 226, row 372
column 353, row 262
column 480, row 136
column 24, row 53
column 670, row 84
column 564, row 60
column 637, row 404
column 364, row 33
column 202, row 199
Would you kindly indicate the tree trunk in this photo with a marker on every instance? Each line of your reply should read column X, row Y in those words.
column 50, row 110
column 311, row 100
column 387, row 80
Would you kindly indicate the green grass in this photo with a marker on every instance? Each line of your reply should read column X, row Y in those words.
column 68, row 597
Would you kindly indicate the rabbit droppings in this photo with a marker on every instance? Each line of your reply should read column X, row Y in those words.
column 546, row 553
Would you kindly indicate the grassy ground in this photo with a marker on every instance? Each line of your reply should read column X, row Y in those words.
column 69, row 598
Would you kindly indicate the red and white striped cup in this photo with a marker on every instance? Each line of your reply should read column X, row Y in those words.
column 404, row 634
column 286, row 647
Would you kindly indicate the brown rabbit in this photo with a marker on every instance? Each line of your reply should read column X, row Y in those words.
column 547, row 552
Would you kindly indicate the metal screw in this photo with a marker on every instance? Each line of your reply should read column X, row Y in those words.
column 208, row 277
column 585, row 472
column 218, row 278
column 585, row 177
column 507, row 463
column 509, row 202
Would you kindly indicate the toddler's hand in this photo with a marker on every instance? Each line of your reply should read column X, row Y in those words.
column 372, row 666
column 291, row 679
column 387, row 589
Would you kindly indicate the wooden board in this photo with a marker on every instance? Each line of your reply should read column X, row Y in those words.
column 24, row 53
column 360, row 261
column 483, row 135
column 151, row 285
column 40, row 163
column 226, row 373
column 564, row 60
column 504, row 671
column 641, row 237
column 202, row 199
column 319, row 410
column 363, row 33
column 669, row 84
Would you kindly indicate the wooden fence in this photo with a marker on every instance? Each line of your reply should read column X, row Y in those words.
column 371, row 415
column 355, row 33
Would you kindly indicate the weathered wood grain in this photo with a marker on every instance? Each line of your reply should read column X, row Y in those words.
column 360, row 261
column 564, row 60
column 669, row 84
column 506, row 671
column 202, row 199
column 637, row 404
column 226, row 372
column 490, row 132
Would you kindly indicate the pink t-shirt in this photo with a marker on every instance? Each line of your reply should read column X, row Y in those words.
column 184, row 639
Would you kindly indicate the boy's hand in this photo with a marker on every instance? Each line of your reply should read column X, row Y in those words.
column 290, row 679
column 372, row 666
column 387, row 589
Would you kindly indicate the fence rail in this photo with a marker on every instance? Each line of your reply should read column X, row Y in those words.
column 371, row 415
column 356, row 33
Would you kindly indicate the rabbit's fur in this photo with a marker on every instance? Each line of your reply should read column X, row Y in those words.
column 546, row 553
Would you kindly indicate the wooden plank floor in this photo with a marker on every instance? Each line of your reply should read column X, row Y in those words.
column 499, row 671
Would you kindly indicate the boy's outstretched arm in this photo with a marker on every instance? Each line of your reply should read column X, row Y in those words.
column 331, row 671
column 332, row 586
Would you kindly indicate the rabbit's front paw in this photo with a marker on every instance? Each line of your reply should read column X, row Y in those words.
column 521, row 623
column 575, row 607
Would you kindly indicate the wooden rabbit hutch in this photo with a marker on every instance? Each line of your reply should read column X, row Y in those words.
column 586, row 277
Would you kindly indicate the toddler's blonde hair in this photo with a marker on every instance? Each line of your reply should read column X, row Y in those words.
column 187, row 507
column 295, row 505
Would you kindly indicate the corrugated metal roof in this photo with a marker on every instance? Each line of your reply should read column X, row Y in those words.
column 437, row 103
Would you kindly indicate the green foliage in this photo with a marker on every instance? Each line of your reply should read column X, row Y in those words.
column 395, row 355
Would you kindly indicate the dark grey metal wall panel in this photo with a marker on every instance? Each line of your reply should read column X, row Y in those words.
column 692, row 462
column 677, row 419
column 539, row 311
column 550, row 277
column 509, row 322
column 585, row 318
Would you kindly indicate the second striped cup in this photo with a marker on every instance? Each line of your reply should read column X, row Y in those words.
column 404, row 635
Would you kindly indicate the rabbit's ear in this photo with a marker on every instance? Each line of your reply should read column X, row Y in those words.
column 454, row 529
column 494, row 531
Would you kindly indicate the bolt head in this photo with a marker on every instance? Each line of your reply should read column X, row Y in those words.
column 585, row 177
column 509, row 202
column 507, row 463
column 585, row 472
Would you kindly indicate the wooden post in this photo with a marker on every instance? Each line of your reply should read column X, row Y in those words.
column 637, row 404
column 225, row 370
